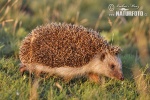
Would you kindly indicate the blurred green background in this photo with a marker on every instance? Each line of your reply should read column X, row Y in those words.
column 19, row 17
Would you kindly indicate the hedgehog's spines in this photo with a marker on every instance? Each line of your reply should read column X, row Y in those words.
column 59, row 44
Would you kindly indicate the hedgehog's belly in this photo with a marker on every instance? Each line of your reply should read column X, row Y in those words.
column 64, row 71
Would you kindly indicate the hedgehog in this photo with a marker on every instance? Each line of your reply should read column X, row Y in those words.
column 69, row 51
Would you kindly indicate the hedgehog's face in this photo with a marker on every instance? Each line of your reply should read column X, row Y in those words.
column 111, row 66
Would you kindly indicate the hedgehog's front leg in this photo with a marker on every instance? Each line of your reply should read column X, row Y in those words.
column 94, row 77
column 68, row 79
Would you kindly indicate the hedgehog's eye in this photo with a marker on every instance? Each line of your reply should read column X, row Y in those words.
column 112, row 67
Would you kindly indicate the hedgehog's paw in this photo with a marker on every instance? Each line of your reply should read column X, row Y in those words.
column 102, row 80
column 94, row 77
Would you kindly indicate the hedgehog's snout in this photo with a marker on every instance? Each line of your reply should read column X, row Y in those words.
column 121, row 78
column 119, row 75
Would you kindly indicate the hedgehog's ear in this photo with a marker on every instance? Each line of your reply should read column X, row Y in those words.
column 102, row 56
column 116, row 53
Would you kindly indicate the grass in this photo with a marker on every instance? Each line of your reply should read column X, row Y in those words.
column 13, row 86
column 19, row 17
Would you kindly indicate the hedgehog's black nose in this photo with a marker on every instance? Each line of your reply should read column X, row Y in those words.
column 121, row 78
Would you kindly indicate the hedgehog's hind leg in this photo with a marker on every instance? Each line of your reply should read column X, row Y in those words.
column 26, row 68
column 22, row 68
column 30, row 68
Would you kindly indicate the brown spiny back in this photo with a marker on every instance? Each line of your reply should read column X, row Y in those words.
column 57, row 45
